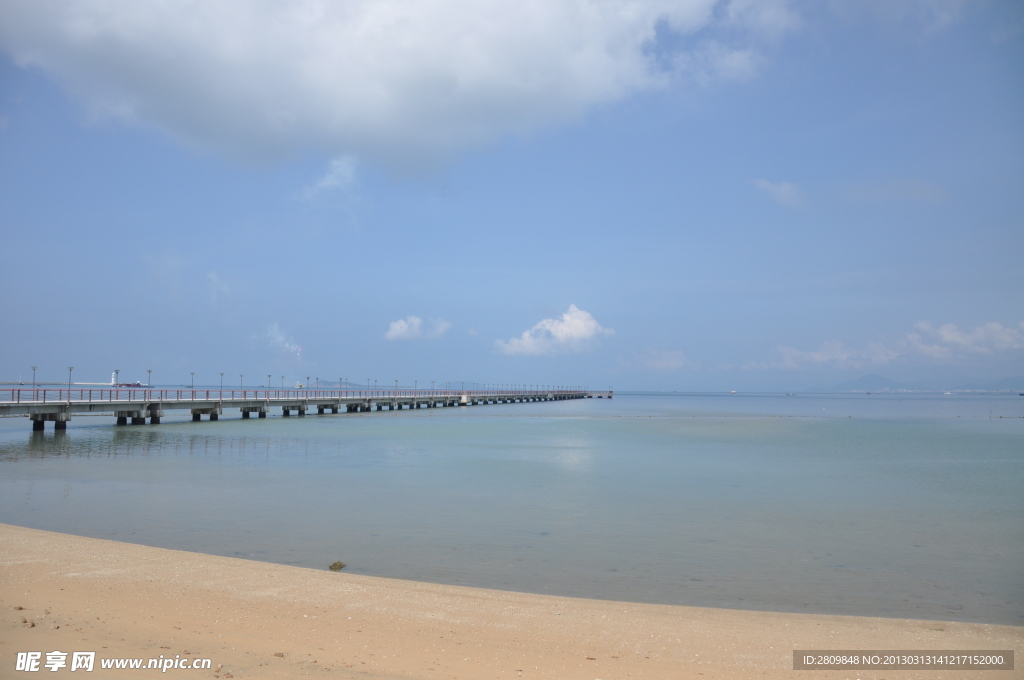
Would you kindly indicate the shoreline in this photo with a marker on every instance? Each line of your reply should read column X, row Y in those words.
column 262, row 620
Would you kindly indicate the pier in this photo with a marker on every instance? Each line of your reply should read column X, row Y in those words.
column 136, row 406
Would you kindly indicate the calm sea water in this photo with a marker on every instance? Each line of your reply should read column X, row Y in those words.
column 877, row 505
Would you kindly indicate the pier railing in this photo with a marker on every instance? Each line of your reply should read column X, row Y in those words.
column 112, row 395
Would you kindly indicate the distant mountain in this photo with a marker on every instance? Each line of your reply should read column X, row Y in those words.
column 1013, row 384
column 878, row 383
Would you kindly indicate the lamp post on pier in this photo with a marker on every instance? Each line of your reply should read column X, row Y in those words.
column 34, row 377
column 70, row 368
column 222, row 381
column 240, row 376
column 268, row 381
column 149, row 379
column 193, row 385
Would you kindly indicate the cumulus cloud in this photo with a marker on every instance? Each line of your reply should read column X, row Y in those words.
column 947, row 342
column 785, row 193
column 386, row 80
column 412, row 328
column 573, row 332
column 278, row 339
column 341, row 174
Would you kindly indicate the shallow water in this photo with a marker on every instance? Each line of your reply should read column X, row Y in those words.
column 883, row 505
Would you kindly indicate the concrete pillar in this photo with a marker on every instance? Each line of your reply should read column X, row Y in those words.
column 138, row 421
column 122, row 420
column 245, row 414
column 263, row 414
column 60, row 425
column 285, row 412
column 319, row 410
column 38, row 425
column 195, row 419
column 214, row 416
column 302, row 411
column 154, row 420
column 334, row 409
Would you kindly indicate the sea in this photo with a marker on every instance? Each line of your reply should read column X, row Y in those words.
column 891, row 505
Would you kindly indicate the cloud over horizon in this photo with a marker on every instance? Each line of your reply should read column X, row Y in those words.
column 412, row 328
column 573, row 332
column 278, row 339
column 396, row 82
column 947, row 342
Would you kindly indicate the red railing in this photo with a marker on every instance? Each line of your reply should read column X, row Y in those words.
column 45, row 395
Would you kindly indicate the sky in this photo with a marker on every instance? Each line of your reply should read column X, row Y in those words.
column 691, row 195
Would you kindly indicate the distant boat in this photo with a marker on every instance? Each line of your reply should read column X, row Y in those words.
column 299, row 386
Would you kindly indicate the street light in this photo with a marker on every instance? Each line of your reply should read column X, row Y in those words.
column 70, row 368
column 193, row 374
column 117, row 376
column 268, row 381
column 222, row 381
column 282, row 382
column 307, row 382
column 149, row 380
column 34, row 377
column 240, row 376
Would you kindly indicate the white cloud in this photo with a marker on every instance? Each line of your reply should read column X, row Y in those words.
column 571, row 333
column 278, row 339
column 412, row 328
column 831, row 352
column 987, row 338
column 945, row 343
column 386, row 80
column 341, row 174
column 786, row 193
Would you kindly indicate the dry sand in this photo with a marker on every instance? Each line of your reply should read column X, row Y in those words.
column 258, row 620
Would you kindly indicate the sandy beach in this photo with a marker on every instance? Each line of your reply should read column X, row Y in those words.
column 259, row 620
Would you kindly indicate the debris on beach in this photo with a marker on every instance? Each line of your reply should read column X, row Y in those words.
column 338, row 566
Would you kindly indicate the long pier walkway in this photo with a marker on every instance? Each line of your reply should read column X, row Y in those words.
column 136, row 405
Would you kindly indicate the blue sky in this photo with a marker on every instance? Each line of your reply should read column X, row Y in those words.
column 689, row 195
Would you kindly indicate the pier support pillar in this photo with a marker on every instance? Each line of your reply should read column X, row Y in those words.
column 319, row 410
column 334, row 409
column 60, row 420
column 154, row 420
column 123, row 420
column 214, row 416
column 245, row 414
column 302, row 411
column 138, row 421
column 263, row 414
column 195, row 419
column 286, row 412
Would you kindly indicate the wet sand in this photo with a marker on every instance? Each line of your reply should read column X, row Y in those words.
column 259, row 620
